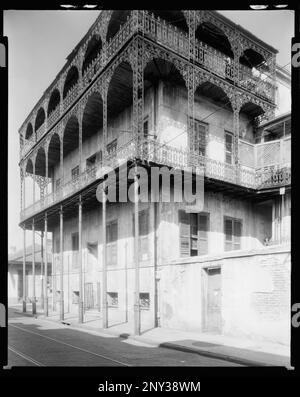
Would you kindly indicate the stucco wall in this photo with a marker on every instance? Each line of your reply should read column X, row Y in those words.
column 255, row 294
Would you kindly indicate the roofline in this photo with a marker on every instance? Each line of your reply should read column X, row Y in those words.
column 70, row 57
column 247, row 32
column 276, row 119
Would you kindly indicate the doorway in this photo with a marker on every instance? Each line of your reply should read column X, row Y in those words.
column 212, row 300
column 89, row 296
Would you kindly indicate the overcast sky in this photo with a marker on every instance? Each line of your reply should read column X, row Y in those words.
column 40, row 41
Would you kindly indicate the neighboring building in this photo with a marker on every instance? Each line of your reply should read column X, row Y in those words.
column 174, row 89
column 15, row 275
column 283, row 94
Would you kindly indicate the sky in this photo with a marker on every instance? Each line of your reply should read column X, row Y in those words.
column 40, row 41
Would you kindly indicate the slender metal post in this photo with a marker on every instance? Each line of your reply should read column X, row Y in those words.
column 104, row 269
column 53, row 274
column 33, row 271
column 80, row 303
column 42, row 270
column 46, row 307
column 24, row 269
column 61, row 266
column 137, row 323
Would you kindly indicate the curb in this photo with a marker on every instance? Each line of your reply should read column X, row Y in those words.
column 167, row 345
column 220, row 356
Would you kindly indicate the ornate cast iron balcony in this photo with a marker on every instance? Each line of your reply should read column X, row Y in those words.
column 151, row 150
column 174, row 39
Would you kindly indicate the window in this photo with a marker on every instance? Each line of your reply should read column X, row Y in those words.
column 75, row 297
column 145, row 300
column 75, row 241
column 57, row 245
column 57, row 184
column 75, row 173
column 143, row 233
column 111, row 242
column 112, row 147
column 91, row 161
column 93, row 249
column 112, row 299
column 199, row 137
column 233, row 233
column 193, row 229
column 228, row 147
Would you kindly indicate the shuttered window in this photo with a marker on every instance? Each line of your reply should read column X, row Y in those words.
column 233, row 233
column 57, row 245
column 193, row 229
column 184, row 230
column 57, row 184
column 203, row 228
column 228, row 147
column 111, row 242
column 143, row 233
column 75, row 173
column 199, row 137
column 112, row 146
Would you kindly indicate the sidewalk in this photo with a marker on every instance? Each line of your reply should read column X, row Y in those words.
column 238, row 350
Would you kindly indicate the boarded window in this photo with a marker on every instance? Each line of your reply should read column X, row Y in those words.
column 233, row 233
column 75, row 241
column 193, row 230
column 111, row 239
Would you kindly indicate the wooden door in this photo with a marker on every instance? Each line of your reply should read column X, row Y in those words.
column 214, row 292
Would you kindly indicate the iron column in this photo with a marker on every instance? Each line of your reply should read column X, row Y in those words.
column 80, row 303
column 104, row 271
column 61, row 266
column 24, row 270
column 136, row 256
column 33, row 271
column 46, row 269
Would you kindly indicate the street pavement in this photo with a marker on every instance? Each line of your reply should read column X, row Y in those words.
column 37, row 342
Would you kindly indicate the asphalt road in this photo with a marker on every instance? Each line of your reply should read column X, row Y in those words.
column 36, row 342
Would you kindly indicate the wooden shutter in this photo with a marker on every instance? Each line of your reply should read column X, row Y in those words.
column 75, row 241
column 112, row 241
column 228, row 234
column 203, row 228
column 184, row 233
column 143, row 233
column 237, row 233
column 228, row 147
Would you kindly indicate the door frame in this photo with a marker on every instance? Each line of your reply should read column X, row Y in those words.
column 204, row 295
